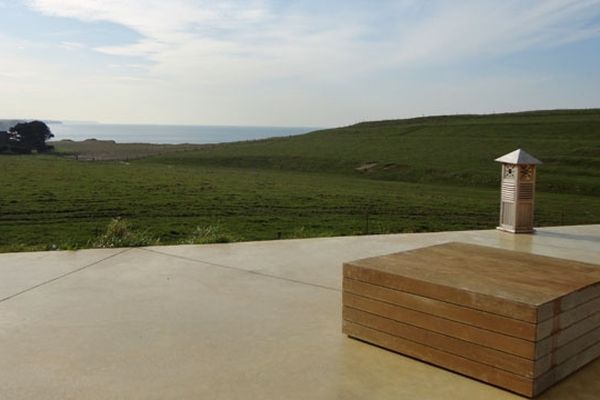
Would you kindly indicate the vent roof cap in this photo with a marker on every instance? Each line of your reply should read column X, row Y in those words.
column 518, row 156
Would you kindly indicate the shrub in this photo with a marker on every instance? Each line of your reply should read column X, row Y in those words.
column 210, row 234
column 120, row 234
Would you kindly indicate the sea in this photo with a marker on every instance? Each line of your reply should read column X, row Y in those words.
column 169, row 134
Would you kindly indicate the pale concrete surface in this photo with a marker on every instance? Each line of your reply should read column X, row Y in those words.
column 20, row 272
column 237, row 321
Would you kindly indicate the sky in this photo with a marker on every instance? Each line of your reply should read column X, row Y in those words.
column 294, row 63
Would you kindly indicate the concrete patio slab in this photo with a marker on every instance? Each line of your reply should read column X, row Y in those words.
column 237, row 321
column 319, row 256
column 22, row 271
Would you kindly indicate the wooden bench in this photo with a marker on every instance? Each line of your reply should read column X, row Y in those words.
column 519, row 321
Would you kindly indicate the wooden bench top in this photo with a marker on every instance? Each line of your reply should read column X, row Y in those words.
column 466, row 272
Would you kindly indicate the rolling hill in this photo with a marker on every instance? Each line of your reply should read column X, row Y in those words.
column 447, row 150
column 412, row 175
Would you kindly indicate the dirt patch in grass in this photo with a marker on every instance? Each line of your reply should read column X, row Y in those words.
column 367, row 167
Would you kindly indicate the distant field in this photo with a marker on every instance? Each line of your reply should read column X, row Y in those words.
column 395, row 176
column 103, row 150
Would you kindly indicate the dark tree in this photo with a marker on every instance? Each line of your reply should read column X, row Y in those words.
column 4, row 141
column 31, row 136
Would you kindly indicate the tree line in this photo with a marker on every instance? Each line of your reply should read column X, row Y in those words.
column 26, row 137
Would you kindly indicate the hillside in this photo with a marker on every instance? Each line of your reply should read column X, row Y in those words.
column 415, row 175
column 448, row 149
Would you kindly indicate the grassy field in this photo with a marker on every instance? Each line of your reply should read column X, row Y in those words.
column 106, row 150
column 448, row 150
column 415, row 175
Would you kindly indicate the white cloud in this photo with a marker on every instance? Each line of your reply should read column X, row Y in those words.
column 295, row 60
column 185, row 33
column 481, row 29
column 154, row 18
column 72, row 45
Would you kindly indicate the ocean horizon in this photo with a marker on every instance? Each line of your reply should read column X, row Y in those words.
column 169, row 134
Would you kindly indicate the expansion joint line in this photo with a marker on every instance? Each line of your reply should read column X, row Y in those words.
column 12, row 296
column 246, row 271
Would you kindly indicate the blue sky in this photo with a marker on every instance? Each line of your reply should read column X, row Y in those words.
column 306, row 63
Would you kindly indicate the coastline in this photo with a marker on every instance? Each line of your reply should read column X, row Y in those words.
column 170, row 134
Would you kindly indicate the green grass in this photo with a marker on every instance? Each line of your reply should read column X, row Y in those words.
column 431, row 174
column 448, row 150
column 103, row 150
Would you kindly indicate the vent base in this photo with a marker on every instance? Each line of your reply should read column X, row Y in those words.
column 512, row 230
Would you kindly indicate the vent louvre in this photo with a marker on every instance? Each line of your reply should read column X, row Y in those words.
column 507, row 214
column 509, row 191
column 526, row 191
column 524, row 216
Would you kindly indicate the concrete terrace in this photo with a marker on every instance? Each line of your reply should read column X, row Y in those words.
column 234, row 321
